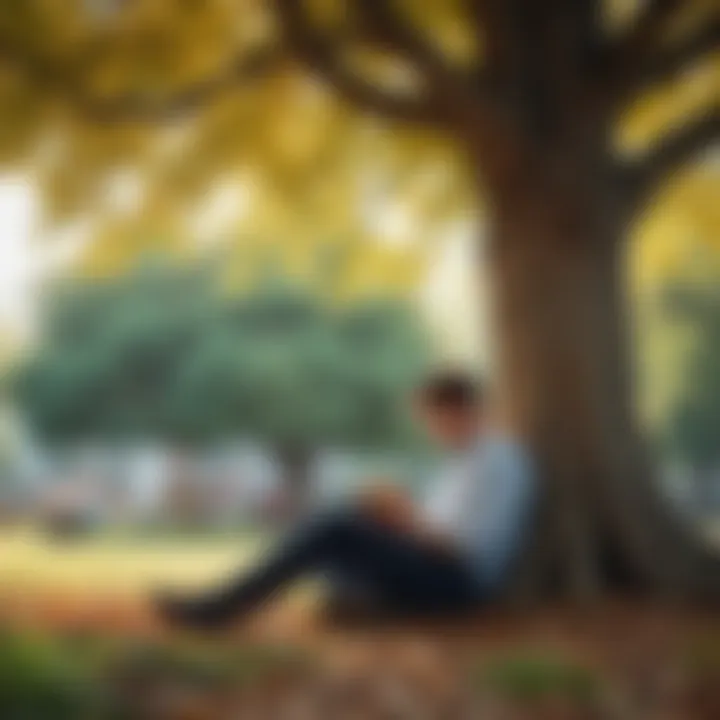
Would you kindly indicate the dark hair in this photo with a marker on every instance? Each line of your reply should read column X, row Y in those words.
column 451, row 390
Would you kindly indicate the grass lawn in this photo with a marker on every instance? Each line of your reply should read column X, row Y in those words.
column 117, row 565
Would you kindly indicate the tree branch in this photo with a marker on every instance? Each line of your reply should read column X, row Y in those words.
column 63, row 80
column 387, row 25
column 491, row 20
column 321, row 54
column 643, row 178
column 20, row 59
column 641, row 59
column 664, row 66
column 384, row 24
column 648, row 27
column 324, row 58
column 144, row 107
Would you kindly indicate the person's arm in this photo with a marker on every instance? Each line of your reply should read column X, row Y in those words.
column 435, row 539
column 393, row 507
column 495, row 519
column 390, row 506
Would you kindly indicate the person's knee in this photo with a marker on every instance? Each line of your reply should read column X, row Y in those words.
column 334, row 523
column 348, row 527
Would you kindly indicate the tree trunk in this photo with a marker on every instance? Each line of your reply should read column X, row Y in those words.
column 564, row 381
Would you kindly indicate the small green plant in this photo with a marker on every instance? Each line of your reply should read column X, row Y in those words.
column 536, row 678
column 41, row 679
column 208, row 667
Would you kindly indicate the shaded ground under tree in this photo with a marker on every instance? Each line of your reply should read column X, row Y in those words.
column 615, row 661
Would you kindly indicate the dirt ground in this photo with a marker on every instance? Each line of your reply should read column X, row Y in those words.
column 620, row 659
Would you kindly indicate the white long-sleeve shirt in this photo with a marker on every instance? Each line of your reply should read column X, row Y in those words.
column 483, row 500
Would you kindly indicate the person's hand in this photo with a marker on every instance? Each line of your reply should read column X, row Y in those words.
column 392, row 507
column 438, row 543
column 388, row 505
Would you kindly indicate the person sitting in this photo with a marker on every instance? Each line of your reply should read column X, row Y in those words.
column 448, row 554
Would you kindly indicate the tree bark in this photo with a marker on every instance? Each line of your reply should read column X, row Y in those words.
column 564, row 381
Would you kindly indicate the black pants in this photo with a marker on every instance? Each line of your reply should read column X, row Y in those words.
column 399, row 573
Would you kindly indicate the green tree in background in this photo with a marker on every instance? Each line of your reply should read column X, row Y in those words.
column 165, row 353
column 109, row 352
column 693, row 426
